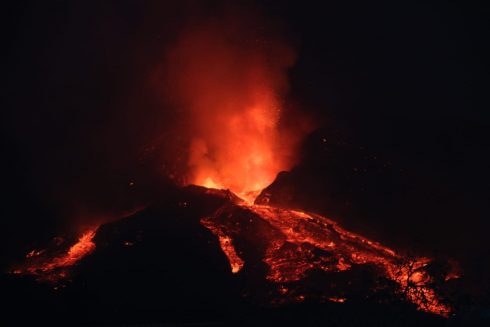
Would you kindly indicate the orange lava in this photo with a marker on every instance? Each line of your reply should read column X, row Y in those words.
column 53, row 268
column 235, row 262
column 247, row 159
column 292, row 243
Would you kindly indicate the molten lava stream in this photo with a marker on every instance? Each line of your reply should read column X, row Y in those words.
column 54, row 268
column 291, row 241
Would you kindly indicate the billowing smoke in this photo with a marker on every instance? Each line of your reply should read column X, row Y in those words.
column 228, row 77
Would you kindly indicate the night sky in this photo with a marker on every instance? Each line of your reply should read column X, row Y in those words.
column 398, row 88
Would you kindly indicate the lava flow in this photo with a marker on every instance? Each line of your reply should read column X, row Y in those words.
column 293, row 243
column 53, row 265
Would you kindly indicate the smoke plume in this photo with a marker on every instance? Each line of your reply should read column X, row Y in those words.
column 228, row 78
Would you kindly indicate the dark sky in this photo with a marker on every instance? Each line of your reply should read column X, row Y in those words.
column 408, row 78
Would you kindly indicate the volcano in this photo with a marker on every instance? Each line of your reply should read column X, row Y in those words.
column 244, row 163
column 247, row 255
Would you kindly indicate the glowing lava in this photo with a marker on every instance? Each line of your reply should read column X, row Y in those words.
column 54, row 267
column 292, row 243
column 235, row 262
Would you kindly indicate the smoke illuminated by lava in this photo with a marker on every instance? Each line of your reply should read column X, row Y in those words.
column 228, row 76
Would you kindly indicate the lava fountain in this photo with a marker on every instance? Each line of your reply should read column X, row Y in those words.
column 229, row 78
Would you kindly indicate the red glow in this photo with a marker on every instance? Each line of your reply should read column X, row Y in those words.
column 290, row 240
column 229, row 79
column 54, row 268
column 229, row 82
